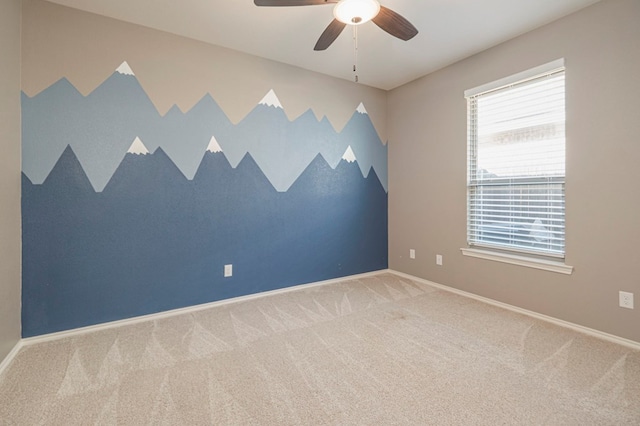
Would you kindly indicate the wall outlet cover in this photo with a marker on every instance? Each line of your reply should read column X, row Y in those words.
column 626, row 299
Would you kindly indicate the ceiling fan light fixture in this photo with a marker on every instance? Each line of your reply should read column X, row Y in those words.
column 356, row 12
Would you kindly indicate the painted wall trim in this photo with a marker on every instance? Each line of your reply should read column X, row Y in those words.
column 529, row 262
column 189, row 309
column 556, row 321
column 10, row 356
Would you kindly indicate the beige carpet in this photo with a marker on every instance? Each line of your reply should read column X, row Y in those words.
column 381, row 350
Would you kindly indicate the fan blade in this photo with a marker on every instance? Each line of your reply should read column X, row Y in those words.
column 329, row 34
column 292, row 2
column 395, row 24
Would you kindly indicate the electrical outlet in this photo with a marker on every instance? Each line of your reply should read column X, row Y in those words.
column 626, row 299
column 412, row 254
column 228, row 271
column 439, row 259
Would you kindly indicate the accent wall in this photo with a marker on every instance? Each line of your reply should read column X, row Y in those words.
column 131, row 206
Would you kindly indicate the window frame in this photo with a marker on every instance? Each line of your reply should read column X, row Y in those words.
column 538, row 258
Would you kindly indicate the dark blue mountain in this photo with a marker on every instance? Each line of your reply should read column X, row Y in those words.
column 142, row 173
column 44, row 124
column 344, row 215
column 214, row 168
column 153, row 240
column 52, row 213
column 68, row 175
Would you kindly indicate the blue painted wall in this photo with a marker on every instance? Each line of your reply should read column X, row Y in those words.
column 109, row 235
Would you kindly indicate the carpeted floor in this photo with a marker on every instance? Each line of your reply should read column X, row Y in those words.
column 381, row 350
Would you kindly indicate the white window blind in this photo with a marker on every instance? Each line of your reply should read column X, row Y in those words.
column 516, row 158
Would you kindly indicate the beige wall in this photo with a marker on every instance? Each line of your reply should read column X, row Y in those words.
column 9, row 175
column 427, row 171
column 86, row 49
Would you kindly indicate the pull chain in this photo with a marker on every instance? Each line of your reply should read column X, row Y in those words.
column 355, row 52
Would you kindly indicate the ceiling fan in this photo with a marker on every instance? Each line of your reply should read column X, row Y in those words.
column 353, row 12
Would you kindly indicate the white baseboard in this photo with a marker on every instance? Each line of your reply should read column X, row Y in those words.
column 10, row 356
column 562, row 323
column 189, row 309
column 160, row 315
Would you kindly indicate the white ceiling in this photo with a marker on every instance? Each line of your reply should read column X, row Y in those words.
column 450, row 30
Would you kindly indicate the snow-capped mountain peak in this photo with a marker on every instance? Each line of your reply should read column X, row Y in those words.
column 361, row 109
column 271, row 99
column 138, row 148
column 214, row 146
column 349, row 156
column 125, row 69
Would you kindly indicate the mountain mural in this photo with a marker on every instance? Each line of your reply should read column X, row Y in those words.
column 126, row 212
column 101, row 126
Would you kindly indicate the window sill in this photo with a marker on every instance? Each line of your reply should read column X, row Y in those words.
column 529, row 262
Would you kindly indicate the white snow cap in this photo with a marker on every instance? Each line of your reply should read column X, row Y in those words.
column 138, row 148
column 271, row 99
column 125, row 69
column 349, row 156
column 214, row 146
column 361, row 109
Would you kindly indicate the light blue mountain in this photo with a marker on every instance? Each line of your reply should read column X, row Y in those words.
column 184, row 136
column 102, row 126
column 46, row 122
column 332, row 152
column 282, row 149
column 369, row 150
column 99, row 127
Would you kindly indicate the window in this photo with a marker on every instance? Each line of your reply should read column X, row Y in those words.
column 516, row 159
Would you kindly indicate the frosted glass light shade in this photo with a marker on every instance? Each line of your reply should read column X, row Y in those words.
column 356, row 12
